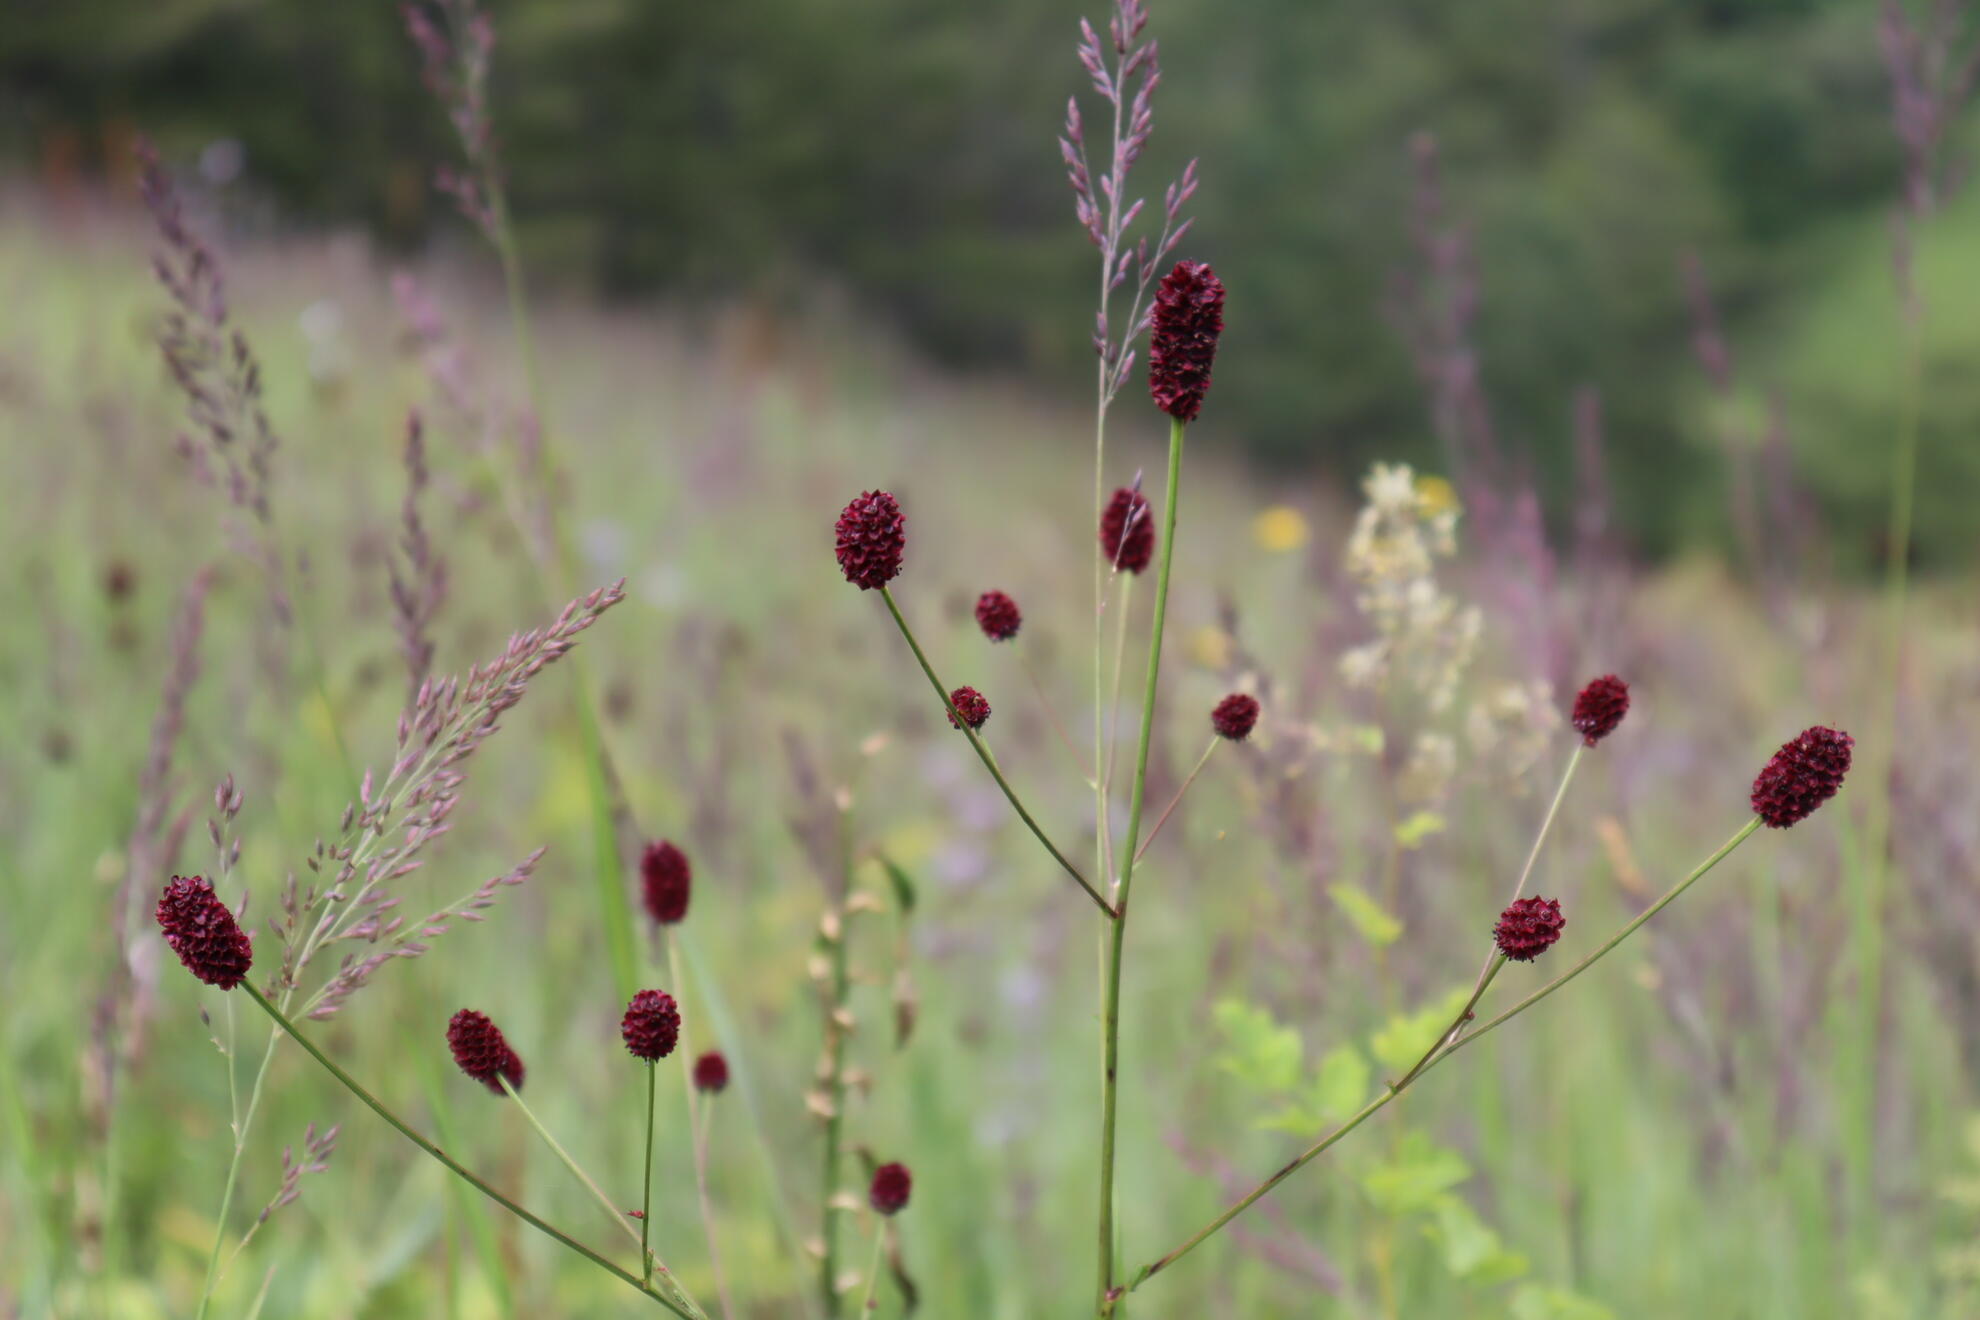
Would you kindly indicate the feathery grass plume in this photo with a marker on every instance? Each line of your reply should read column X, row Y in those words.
column 1528, row 928
column 1126, row 80
column 889, row 1191
column 418, row 589
column 1235, row 716
column 998, row 616
column 1127, row 531
column 972, row 705
column 1599, row 708
column 667, row 880
column 383, row 833
column 203, row 932
column 872, row 533
column 1425, row 638
column 455, row 55
column 651, row 1026
column 1803, row 774
column 711, row 1072
column 317, row 1149
column 482, row 1052
column 1182, row 339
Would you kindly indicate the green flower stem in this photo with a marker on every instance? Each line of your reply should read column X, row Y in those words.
column 686, row 1050
column 617, row 1215
column 1110, row 1023
column 460, row 1170
column 1163, row 819
column 646, row 1191
column 866, row 1304
column 1465, row 1014
column 1390, row 1092
column 983, row 753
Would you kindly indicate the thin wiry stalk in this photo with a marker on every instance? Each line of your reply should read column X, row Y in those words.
column 867, row 1304
column 1396, row 1089
column 454, row 1166
column 989, row 762
column 1111, row 1005
column 686, row 1050
column 1176, row 801
column 646, row 1188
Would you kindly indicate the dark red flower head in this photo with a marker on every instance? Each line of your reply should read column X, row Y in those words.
column 1182, row 340
column 972, row 705
column 1600, row 707
column 997, row 614
column 651, row 1026
column 1804, row 774
column 667, row 878
column 1235, row 716
column 891, row 1185
column 1127, row 531
column 1528, row 927
column 711, row 1071
column 204, row 933
column 481, row 1051
column 872, row 533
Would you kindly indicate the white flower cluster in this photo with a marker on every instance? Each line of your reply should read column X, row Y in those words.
column 1424, row 638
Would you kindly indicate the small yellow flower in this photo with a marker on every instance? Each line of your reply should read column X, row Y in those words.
column 1210, row 647
column 1280, row 528
column 1435, row 495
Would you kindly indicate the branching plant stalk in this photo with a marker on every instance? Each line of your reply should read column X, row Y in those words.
column 686, row 1050
column 1176, row 801
column 1110, row 1024
column 617, row 1215
column 687, row 1312
column 989, row 763
column 1396, row 1089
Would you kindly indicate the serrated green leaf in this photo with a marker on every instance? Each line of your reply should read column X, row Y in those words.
column 1466, row 1241
column 1369, row 920
column 1416, row 1177
column 1340, row 1083
column 1402, row 1040
column 1260, row 1053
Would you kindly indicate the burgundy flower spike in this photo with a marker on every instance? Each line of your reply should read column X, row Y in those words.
column 711, row 1072
column 1235, row 716
column 1528, row 928
column 651, row 1026
column 204, row 933
column 872, row 533
column 667, row 878
column 891, row 1185
column 1803, row 775
column 1188, row 316
column 1127, row 531
column 972, row 705
column 481, row 1051
column 1600, row 707
column 998, row 616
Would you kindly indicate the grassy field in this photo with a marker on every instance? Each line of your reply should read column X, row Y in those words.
column 1763, row 1107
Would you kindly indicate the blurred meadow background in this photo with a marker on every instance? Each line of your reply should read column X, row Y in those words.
column 1669, row 305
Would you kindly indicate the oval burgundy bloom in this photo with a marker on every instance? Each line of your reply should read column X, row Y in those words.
column 203, row 932
column 1127, row 531
column 890, row 1189
column 482, row 1052
column 711, row 1072
column 972, row 705
column 1187, row 317
column 1600, row 707
column 667, row 879
column 1528, row 928
column 872, row 533
column 652, row 1025
column 1235, row 716
column 1804, row 774
column 998, row 616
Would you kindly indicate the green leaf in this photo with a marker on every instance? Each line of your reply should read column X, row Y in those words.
column 1402, row 1040
column 903, row 884
column 1536, row 1301
column 1416, row 831
column 1340, row 1084
column 1468, row 1244
column 1262, row 1054
column 1416, row 1178
column 1374, row 925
